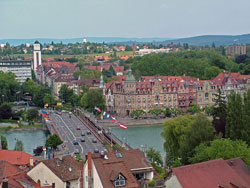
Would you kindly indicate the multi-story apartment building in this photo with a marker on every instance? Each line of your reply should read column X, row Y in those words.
column 125, row 96
column 236, row 49
column 21, row 68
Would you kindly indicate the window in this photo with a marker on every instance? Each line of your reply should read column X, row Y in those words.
column 206, row 95
column 120, row 181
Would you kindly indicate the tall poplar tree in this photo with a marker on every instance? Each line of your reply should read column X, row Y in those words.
column 220, row 113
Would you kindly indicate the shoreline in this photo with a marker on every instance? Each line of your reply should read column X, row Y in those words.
column 23, row 129
column 134, row 122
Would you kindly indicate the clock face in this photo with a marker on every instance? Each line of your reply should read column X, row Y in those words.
column 36, row 46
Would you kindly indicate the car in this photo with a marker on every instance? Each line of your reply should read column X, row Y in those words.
column 96, row 150
column 77, row 151
column 75, row 142
column 94, row 140
column 82, row 134
column 59, row 113
column 78, row 128
column 82, row 140
column 88, row 133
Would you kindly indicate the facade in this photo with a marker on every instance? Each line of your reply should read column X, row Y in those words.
column 91, row 83
column 127, row 168
column 125, row 96
column 236, row 49
column 21, row 68
column 37, row 56
column 59, row 82
column 219, row 173
column 63, row 172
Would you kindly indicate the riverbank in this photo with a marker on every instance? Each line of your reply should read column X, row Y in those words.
column 133, row 122
column 12, row 128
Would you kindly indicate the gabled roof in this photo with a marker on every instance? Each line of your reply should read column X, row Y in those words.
column 211, row 174
column 66, row 169
column 17, row 157
column 129, row 162
column 7, row 169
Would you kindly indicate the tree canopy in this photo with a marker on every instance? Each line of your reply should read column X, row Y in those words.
column 4, row 142
column 203, row 64
column 53, row 141
column 221, row 148
column 19, row 145
column 92, row 98
column 183, row 134
column 65, row 93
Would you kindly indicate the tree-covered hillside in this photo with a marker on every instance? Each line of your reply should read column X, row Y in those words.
column 201, row 64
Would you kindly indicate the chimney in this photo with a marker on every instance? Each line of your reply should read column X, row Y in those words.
column 60, row 157
column 38, row 183
column 53, row 185
column 5, row 183
column 102, row 154
column 31, row 162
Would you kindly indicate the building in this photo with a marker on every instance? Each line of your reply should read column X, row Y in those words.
column 91, row 83
column 64, row 172
column 59, row 82
column 37, row 56
column 146, row 51
column 219, row 173
column 236, row 49
column 20, row 159
column 127, row 168
column 21, row 68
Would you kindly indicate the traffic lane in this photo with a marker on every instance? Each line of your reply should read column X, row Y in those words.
column 88, row 145
column 67, row 138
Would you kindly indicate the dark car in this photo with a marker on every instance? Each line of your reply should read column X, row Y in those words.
column 94, row 140
column 82, row 140
column 75, row 142
column 96, row 150
column 82, row 134
column 78, row 128
column 88, row 133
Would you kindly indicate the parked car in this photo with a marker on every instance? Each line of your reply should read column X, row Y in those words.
column 78, row 128
column 59, row 113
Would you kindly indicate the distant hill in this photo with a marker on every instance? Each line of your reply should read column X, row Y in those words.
column 210, row 39
column 16, row 42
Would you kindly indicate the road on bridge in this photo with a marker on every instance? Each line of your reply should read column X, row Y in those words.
column 67, row 128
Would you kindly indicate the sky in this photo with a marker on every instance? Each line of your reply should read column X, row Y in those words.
column 122, row 18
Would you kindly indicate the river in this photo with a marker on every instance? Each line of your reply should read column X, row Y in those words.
column 30, row 139
column 142, row 137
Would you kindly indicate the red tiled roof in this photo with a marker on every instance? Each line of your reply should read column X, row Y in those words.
column 129, row 162
column 209, row 174
column 66, row 169
column 17, row 157
column 7, row 169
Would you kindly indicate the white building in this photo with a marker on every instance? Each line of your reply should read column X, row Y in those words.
column 142, row 52
column 21, row 68
column 37, row 57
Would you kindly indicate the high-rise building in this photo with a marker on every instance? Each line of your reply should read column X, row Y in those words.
column 37, row 57
column 236, row 49
column 21, row 68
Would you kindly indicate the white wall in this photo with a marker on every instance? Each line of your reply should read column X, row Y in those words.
column 96, row 180
column 173, row 182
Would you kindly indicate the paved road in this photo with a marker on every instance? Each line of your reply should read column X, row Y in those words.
column 67, row 128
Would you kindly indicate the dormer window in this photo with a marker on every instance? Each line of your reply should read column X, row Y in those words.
column 120, row 181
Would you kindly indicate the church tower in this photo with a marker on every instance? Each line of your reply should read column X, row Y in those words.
column 37, row 57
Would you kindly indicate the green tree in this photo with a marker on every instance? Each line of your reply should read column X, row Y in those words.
column 193, row 108
column 49, row 99
column 137, row 113
column 246, row 117
column 19, row 146
column 208, row 110
column 65, row 93
column 156, row 111
column 222, row 148
column 219, row 113
column 154, row 156
column 42, row 92
column 211, row 72
column 32, row 114
column 183, row 134
column 53, row 141
column 31, row 87
column 168, row 112
column 4, row 142
column 5, row 111
column 92, row 98
column 75, row 100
